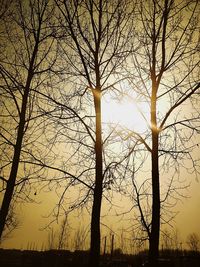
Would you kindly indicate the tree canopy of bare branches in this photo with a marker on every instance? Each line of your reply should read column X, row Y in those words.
column 93, row 38
column 165, row 77
column 26, row 61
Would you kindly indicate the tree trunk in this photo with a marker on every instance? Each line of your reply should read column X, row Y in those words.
column 97, row 197
column 155, row 223
column 17, row 148
column 15, row 164
column 155, row 227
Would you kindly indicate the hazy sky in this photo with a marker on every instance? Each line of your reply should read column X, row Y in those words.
column 32, row 220
column 33, row 217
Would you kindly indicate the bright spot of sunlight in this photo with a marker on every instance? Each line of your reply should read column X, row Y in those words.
column 126, row 113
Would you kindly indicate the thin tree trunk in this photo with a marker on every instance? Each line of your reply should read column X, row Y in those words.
column 17, row 148
column 15, row 163
column 97, row 197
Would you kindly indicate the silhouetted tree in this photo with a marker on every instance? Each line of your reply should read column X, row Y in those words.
column 63, row 236
column 94, row 42
column 59, row 238
column 24, row 67
column 193, row 241
column 51, row 239
column 80, row 237
column 166, row 78
column 167, row 240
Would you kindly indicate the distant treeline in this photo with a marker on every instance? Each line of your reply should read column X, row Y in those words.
column 66, row 258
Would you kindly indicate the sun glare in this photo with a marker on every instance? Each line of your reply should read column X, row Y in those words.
column 125, row 113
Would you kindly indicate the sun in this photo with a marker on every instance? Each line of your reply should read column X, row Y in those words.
column 126, row 112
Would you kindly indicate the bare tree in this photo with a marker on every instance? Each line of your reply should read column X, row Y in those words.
column 24, row 67
column 59, row 238
column 193, row 241
column 94, row 42
column 166, row 79
column 51, row 239
column 167, row 240
column 80, row 237
column 177, row 239
column 63, row 237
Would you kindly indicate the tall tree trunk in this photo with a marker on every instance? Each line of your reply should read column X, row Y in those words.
column 155, row 227
column 15, row 162
column 19, row 139
column 97, row 197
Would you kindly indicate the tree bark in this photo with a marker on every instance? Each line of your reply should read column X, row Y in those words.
column 97, row 197
column 155, row 227
column 18, row 145
column 15, row 163
column 155, row 223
